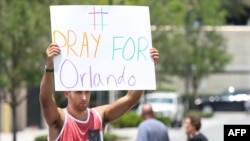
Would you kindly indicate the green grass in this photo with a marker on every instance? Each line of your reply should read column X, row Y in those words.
column 199, row 113
column 113, row 137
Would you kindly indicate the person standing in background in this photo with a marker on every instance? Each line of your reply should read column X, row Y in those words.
column 192, row 125
column 151, row 129
column 247, row 104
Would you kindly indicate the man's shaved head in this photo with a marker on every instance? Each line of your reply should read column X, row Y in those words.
column 147, row 110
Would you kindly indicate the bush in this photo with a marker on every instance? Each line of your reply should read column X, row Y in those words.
column 41, row 138
column 130, row 119
column 199, row 113
column 165, row 120
column 112, row 137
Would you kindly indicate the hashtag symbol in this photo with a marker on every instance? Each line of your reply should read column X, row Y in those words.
column 100, row 13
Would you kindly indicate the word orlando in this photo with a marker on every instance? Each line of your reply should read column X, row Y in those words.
column 93, row 78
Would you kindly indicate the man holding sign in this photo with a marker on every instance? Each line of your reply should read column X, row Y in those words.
column 77, row 122
column 87, row 42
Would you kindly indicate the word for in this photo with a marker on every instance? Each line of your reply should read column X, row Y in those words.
column 237, row 132
column 136, row 48
column 126, row 47
column 93, row 79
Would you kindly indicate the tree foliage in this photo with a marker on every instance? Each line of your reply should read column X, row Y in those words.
column 24, row 35
column 190, row 45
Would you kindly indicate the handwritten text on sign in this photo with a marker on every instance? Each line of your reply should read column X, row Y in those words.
column 102, row 47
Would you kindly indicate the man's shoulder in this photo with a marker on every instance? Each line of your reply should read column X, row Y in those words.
column 156, row 121
column 144, row 123
column 151, row 121
column 199, row 137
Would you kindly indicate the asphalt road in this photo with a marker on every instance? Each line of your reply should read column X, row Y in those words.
column 211, row 127
column 215, row 132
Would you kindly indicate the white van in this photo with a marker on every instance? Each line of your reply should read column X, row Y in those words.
column 166, row 104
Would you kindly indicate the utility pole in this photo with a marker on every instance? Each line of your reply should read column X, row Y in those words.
column 0, row 114
column 187, row 63
column 192, row 20
column 110, row 2
column 187, row 80
column 1, row 97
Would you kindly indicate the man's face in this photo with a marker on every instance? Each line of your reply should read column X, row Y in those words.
column 188, row 127
column 78, row 99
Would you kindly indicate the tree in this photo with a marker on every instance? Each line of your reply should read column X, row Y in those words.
column 208, row 52
column 22, row 39
column 188, row 48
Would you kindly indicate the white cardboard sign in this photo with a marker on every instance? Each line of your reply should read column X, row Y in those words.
column 102, row 47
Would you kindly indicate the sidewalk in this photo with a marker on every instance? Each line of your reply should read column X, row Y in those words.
column 25, row 135
column 31, row 134
column 129, row 133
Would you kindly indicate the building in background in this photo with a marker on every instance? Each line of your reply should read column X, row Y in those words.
column 237, row 72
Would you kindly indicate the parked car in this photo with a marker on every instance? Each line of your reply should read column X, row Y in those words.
column 231, row 99
column 165, row 104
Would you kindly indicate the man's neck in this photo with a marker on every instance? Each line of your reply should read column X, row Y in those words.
column 148, row 117
column 195, row 133
column 80, row 115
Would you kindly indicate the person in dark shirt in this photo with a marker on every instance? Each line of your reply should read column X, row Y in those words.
column 192, row 125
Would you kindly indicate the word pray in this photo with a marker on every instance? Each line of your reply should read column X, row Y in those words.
column 70, row 41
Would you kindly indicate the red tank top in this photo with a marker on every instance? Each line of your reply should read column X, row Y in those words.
column 77, row 130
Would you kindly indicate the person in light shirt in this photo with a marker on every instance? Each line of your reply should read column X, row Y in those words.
column 151, row 129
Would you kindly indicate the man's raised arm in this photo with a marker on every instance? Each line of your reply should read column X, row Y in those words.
column 119, row 107
column 47, row 101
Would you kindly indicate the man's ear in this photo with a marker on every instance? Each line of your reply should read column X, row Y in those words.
column 66, row 94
